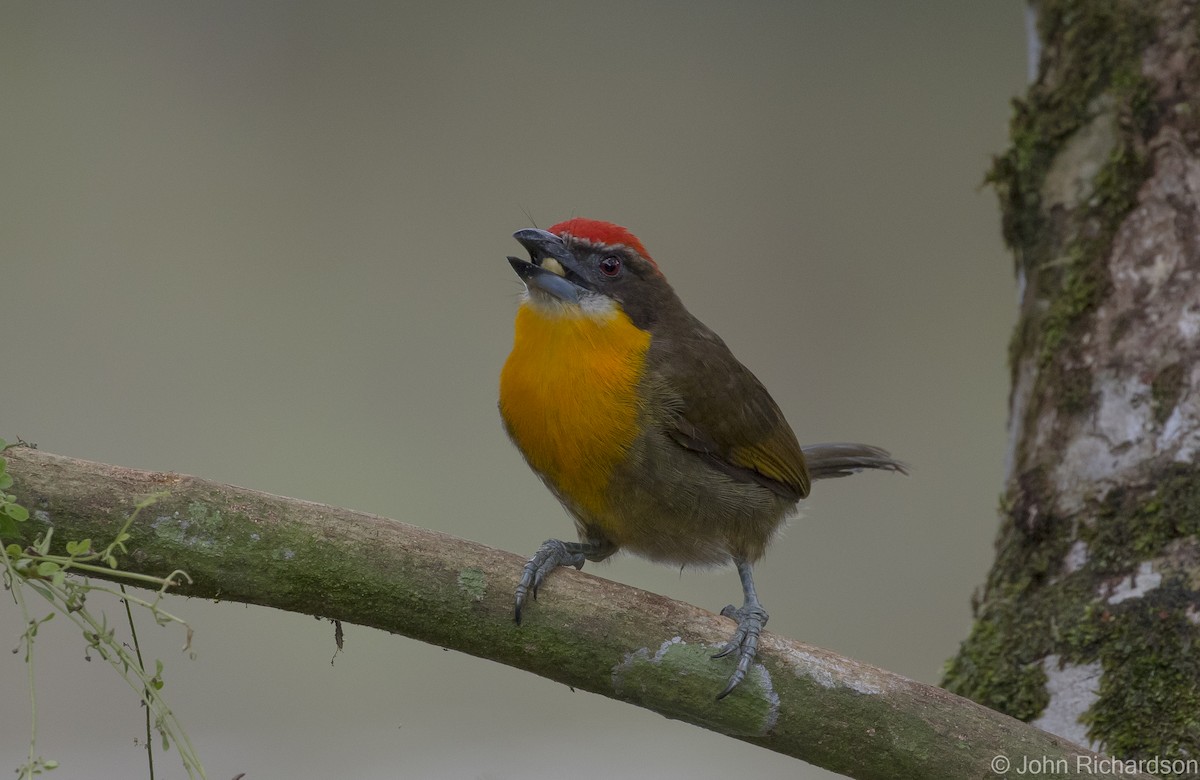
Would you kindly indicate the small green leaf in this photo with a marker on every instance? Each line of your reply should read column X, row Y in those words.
column 50, row 763
column 46, row 568
column 16, row 512
column 81, row 547
column 58, row 578
column 14, row 551
column 6, row 480
column 8, row 528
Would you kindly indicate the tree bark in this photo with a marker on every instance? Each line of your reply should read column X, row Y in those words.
column 587, row 632
column 1088, row 622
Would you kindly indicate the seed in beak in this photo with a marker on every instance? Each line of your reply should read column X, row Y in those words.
column 552, row 265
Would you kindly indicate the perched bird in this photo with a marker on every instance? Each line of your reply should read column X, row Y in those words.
column 644, row 425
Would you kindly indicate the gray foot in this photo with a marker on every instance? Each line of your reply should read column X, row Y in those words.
column 751, row 619
column 549, row 557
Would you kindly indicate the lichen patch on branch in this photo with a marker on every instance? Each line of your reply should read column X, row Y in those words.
column 831, row 672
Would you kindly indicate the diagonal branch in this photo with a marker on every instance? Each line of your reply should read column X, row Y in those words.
column 594, row 634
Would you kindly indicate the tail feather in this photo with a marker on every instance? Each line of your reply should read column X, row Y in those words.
column 841, row 459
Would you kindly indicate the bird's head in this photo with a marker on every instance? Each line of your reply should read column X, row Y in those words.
column 585, row 267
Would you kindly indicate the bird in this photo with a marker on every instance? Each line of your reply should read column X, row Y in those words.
column 643, row 424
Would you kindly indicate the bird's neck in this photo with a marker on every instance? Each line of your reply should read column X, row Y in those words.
column 569, row 395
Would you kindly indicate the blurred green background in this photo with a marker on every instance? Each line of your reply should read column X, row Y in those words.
column 264, row 243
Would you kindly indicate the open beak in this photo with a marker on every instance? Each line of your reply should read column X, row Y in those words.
column 553, row 270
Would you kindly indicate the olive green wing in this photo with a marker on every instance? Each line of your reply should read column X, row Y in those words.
column 725, row 415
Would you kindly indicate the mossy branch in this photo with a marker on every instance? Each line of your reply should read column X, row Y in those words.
column 586, row 632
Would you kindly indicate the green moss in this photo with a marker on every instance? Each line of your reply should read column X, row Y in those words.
column 999, row 665
column 1099, row 46
column 1073, row 387
column 198, row 527
column 1096, row 48
column 1134, row 524
column 1077, row 284
column 1165, row 390
column 1080, row 640
column 473, row 583
column 1116, row 187
column 1149, row 702
column 1148, row 647
column 1080, row 285
column 1027, row 556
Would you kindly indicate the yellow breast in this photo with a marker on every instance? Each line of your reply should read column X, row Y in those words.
column 568, row 396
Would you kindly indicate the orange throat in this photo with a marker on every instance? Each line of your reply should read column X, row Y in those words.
column 568, row 397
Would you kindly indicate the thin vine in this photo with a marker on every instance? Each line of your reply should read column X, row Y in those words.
column 61, row 579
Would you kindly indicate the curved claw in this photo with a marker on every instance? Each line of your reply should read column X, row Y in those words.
column 735, row 642
column 751, row 620
column 552, row 554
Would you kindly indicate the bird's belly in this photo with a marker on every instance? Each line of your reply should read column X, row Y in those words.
column 569, row 400
column 676, row 508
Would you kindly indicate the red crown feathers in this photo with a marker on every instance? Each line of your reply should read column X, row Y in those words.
column 600, row 232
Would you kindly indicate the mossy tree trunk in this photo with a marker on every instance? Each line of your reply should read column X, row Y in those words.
column 1089, row 622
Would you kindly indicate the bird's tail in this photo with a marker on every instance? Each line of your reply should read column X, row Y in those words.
column 841, row 459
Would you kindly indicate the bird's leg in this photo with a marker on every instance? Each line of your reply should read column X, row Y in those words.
column 750, row 619
column 552, row 554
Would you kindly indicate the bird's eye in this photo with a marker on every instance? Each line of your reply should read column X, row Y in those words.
column 610, row 265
